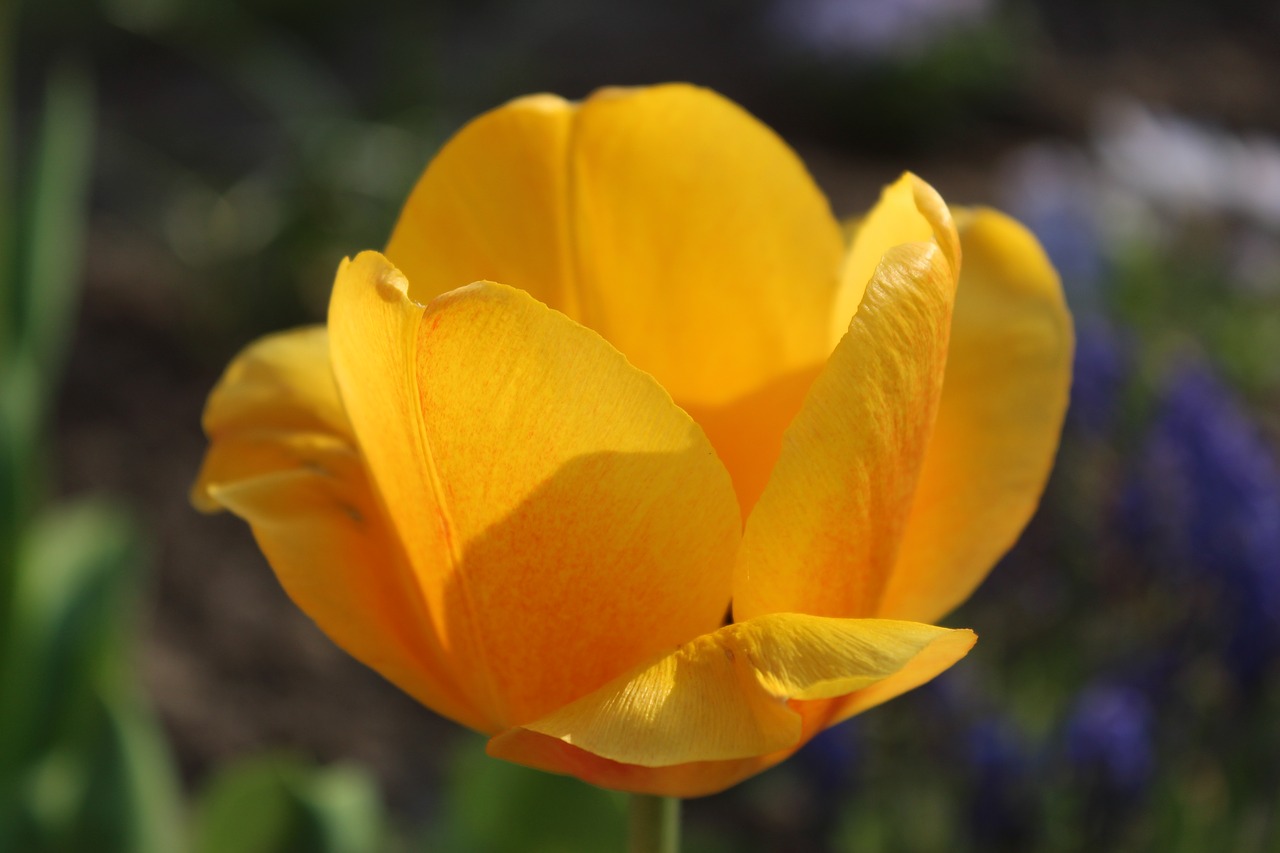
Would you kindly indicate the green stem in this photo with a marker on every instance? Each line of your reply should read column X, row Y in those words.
column 655, row 824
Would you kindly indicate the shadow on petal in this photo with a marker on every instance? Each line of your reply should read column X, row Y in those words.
column 615, row 559
column 747, row 432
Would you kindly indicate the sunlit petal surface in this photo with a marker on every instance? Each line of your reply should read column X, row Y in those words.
column 559, row 537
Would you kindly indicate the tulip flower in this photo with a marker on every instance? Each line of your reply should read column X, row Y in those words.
column 626, row 455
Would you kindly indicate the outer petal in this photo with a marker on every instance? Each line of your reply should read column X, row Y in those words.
column 824, row 536
column 281, row 457
column 565, row 519
column 280, row 382
column 494, row 205
column 909, row 211
column 277, row 394
column 717, row 710
column 1005, row 395
column 711, row 265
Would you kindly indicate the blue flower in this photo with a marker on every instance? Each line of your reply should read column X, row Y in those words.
column 1205, row 501
column 1108, row 739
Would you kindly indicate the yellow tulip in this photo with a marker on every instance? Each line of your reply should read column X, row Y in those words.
column 684, row 488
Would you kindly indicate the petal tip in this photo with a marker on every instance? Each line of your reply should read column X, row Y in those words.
column 540, row 102
column 392, row 285
column 201, row 496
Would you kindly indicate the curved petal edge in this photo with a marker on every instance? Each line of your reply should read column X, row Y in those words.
column 725, row 695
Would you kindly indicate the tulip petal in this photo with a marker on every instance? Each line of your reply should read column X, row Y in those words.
column 493, row 205
column 282, row 381
column 1003, row 401
column 275, row 403
column 281, row 457
column 909, row 211
column 700, row 778
column 322, row 532
column 823, row 537
column 711, row 266
column 724, row 696
column 694, row 779
column 747, row 432
column 566, row 521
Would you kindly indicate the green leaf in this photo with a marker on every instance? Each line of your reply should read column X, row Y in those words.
column 65, row 628
column 493, row 806
column 82, row 765
column 279, row 804
column 250, row 807
column 131, row 800
column 344, row 810
column 19, row 455
column 52, row 232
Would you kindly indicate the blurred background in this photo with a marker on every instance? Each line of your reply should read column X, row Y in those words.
column 181, row 176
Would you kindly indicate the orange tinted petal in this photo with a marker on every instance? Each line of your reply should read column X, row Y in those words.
column 552, row 755
column 566, row 520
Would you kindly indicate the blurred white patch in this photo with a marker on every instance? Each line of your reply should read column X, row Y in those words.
column 1189, row 166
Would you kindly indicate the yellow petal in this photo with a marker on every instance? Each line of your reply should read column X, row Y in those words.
column 705, row 251
column 493, row 205
column 250, row 453
column 725, row 695
column 281, row 456
column 565, row 520
column 667, row 219
column 275, row 403
column 824, row 535
column 909, row 211
column 747, row 432
column 699, row 778
column 281, row 382
column 711, row 265
column 1004, row 397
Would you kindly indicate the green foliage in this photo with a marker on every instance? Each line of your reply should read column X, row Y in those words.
column 491, row 806
column 53, row 227
column 280, row 805
column 1183, row 297
column 39, row 269
column 82, row 766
